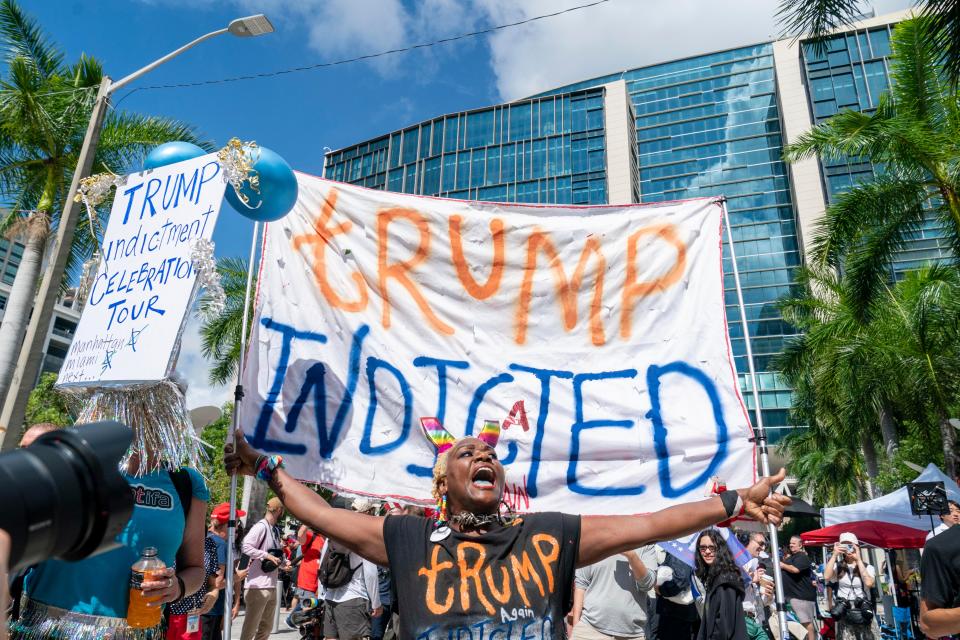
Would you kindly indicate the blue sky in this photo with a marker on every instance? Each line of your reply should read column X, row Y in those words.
column 298, row 114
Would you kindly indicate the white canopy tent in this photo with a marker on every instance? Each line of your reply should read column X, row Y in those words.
column 893, row 507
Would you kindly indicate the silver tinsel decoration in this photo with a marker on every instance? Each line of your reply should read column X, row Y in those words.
column 39, row 621
column 237, row 160
column 87, row 276
column 163, row 435
column 93, row 190
column 209, row 278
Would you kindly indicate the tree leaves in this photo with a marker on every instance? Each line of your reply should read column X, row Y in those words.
column 903, row 358
column 221, row 334
column 23, row 38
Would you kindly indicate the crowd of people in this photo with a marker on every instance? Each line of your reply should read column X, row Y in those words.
column 464, row 569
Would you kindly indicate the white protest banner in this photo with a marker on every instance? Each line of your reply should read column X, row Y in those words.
column 144, row 285
column 376, row 309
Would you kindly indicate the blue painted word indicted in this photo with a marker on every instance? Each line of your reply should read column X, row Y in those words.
column 378, row 372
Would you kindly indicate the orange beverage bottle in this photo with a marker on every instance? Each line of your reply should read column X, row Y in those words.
column 139, row 615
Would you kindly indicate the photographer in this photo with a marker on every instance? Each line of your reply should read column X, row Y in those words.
column 853, row 609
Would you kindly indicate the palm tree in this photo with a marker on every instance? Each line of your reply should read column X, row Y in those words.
column 859, row 382
column 837, row 369
column 918, row 321
column 819, row 18
column 221, row 344
column 221, row 333
column 827, row 469
column 913, row 139
column 45, row 105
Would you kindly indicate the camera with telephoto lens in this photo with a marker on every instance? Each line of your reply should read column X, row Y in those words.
column 64, row 496
column 839, row 610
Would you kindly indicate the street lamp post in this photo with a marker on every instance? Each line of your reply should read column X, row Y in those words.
column 31, row 352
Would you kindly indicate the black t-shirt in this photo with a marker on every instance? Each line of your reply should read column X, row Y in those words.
column 799, row 585
column 940, row 570
column 511, row 583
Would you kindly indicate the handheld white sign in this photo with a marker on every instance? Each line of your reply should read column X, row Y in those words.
column 145, row 282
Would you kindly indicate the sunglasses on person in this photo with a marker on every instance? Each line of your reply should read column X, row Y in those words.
column 707, row 548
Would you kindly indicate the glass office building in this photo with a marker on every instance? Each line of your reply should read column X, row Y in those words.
column 549, row 149
column 712, row 124
column 851, row 72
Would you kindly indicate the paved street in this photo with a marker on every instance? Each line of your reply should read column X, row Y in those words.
column 284, row 632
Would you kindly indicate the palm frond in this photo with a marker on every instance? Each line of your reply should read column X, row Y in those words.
column 944, row 34
column 816, row 18
column 867, row 205
column 869, row 264
column 221, row 334
column 86, row 73
column 127, row 138
column 919, row 86
column 848, row 134
column 22, row 36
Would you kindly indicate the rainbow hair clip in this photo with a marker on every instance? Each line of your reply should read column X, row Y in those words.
column 436, row 434
column 443, row 440
column 490, row 433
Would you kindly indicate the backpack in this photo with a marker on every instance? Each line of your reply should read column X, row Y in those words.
column 335, row 570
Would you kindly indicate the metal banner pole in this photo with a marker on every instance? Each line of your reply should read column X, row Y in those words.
column 237, row 397
column 760, row 433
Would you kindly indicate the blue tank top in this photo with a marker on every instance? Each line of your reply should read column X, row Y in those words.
column 99, row 585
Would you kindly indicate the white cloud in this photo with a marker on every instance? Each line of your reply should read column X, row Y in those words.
column 344, row 28
column 338, row 29
column 195, row 368
column 618, row 35
column 540, row 55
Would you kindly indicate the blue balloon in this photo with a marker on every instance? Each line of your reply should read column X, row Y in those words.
column 171, row 152
column 278, row 189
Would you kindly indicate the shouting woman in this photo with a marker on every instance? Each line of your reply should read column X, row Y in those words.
column 473, row 572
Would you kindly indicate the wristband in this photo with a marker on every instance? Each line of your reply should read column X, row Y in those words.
column 732, row 503
column 267, row 465
column 183, row 587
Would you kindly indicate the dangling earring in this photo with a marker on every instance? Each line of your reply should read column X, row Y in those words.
column 440, row 528
column 441, row 515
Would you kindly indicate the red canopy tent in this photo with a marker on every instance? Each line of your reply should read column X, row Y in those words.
column 873, row 532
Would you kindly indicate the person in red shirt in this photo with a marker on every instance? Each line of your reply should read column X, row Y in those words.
column 311, row 544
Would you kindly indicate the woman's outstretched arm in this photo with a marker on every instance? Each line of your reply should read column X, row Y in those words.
column 604, row 536
column 361, row 533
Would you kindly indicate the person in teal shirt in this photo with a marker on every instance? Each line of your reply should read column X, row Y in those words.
column 88, row 599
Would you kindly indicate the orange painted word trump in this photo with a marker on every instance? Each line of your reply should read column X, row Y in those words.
column 425, row 266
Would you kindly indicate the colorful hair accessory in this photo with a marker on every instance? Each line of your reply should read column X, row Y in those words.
column 490, row 432
column 440, row 437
